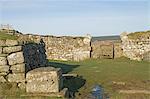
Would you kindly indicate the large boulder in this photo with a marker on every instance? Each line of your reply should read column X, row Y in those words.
column 16, row 77
column 15, row 58
column 12, row 49
column 18, row 68
column 11, row 42
column 3, row 61
column 44, row 80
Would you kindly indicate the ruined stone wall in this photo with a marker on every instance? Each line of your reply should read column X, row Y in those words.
column 135, row 49
column 16, row 59
column 62, row 48
column 106, row 49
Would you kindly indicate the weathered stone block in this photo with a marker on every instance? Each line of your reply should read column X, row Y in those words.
column 2, row 79
column 2, row 43
column 118, row 52
column 18, row 68
column 11, row 42
column 12, row 49
column 22, row 85
column 4, row 68
column 15, row 58
column 44, row 80
column 16, row 77
column 3, row 61
column 3, row 73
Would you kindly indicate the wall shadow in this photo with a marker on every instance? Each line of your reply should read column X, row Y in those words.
column 73, row 84
column 66, row 68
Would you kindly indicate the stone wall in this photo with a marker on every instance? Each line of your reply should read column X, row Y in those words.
column 106, row 49
column 135, row 49
column 62, row 48
column 16, row 59
column 12, row 63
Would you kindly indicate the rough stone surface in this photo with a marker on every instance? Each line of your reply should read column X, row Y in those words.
column 2, row 79
column 146, row 56
column 11, row 42
column 18, row 68
column 3, row 73
column 118, row 52
column 43, row 80
column 135, row 48
column 16, row 77
column 62, row 48
column 3, row 61
column 102, row 49
column 4, row 68
column 15, row 58
column 22, row 85
column 2, row 43
column 1, row 50
column 12, row 49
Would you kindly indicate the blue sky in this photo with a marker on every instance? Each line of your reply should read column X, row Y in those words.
column 76, row 17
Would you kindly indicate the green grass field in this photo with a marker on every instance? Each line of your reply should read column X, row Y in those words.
column 4, row 36
column 135, row 75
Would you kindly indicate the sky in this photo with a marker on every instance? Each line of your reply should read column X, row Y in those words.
column 76, row 17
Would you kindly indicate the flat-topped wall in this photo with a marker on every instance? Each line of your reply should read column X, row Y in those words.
column 63, row 48
column 135, row 49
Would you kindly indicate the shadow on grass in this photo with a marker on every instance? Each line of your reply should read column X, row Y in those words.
column 73, row 84
column 66, row 68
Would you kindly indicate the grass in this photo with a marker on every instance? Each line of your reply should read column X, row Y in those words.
column 4, row 36
column 139, row 35
column 136, row 75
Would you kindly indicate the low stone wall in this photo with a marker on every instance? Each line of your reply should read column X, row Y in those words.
column 17, row 59
column 12, row 63
column 62, row 48
column 106, row 49
column 135, row 49
column 102, row 49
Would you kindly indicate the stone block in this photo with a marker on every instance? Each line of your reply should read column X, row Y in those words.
column 3, row 61
column 2, row 79
column 11, row 42
column 15, row 58
column 3, row 73
column 16, row 77
column 44, row 80
column 18, row 68
column 12, row 49
column 22, row 85
column 118, row 52
column 2, row 43
column 4, row 68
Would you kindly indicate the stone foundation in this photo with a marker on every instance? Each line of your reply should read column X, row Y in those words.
column 44, row 80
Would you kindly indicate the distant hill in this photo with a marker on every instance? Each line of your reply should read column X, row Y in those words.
column 103, row 38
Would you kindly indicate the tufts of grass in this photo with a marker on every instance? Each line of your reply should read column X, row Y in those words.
column 4, row 36
column 139, row 35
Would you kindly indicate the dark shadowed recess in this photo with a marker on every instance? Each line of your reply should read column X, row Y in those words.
column 66, row 68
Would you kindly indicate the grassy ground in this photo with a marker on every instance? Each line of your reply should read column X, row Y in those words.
column 4, row 36
column 135, row 75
